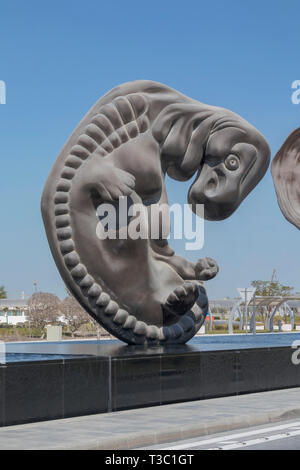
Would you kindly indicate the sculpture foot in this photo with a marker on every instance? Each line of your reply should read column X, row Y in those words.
column 180, row 301
column 206, row 268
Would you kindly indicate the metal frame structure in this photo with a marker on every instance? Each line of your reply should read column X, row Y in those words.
column 275, row 302
column 234, row 310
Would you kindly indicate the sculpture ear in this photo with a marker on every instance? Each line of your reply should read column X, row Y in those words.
column 285, row 170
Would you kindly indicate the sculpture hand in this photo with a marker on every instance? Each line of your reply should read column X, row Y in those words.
column 110, row 182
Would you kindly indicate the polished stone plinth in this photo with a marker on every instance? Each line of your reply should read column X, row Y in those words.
column 43, row 380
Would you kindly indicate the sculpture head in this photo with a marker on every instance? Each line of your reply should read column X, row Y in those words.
column 227, row 153
column 235, row 159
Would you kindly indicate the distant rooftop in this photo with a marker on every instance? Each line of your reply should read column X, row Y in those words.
column 11, row 303
column 222, row 303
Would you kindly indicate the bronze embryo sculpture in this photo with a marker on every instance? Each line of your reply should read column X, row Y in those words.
column 140, row 290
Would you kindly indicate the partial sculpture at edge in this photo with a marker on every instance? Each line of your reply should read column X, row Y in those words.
column 286, row 177
column 140, row 290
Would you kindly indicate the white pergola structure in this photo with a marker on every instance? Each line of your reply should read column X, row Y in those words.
column 258, row 302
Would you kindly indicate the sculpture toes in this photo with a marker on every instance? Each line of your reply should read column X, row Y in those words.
column 207, row 274
column 206, row 268
column 172, row 299
column 182, row 298
column 191, row 287
column 180, row 292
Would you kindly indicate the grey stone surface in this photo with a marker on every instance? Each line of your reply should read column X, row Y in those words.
column 134, row 136
column 286, row 176
column 154, row 425
column 113, row 376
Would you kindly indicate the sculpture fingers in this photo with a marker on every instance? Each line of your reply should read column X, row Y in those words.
column 116, row 189
column 111, row 183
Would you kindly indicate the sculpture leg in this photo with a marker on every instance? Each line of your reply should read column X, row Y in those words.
column 183, row 297
column 204, row 270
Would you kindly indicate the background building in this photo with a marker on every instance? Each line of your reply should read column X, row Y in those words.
column 13, row 311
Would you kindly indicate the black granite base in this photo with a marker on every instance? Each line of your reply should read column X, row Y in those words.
column 98, row 377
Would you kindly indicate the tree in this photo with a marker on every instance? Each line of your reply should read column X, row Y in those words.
column 43, row 309
column 73, row 314
column 271, row 288
column 3, row 293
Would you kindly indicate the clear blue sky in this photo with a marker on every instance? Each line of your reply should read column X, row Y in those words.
column 58, row 57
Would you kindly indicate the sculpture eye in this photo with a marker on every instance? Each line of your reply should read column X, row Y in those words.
column 232, row 162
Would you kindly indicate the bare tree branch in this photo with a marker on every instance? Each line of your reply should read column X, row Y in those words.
column 43, row 308
column 73, row 314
